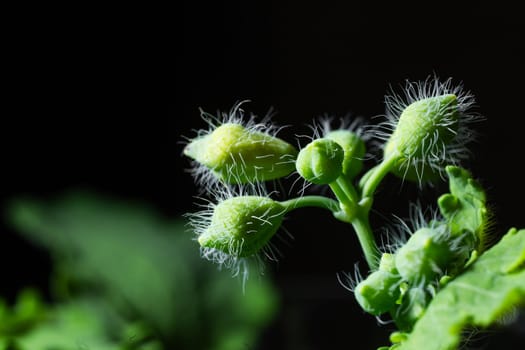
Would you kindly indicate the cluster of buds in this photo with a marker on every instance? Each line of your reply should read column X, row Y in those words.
column 424, row 139
column 434, row 253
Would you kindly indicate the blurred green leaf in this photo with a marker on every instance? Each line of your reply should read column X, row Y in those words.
column 147, row 268
column 27, row 311
column 79, row 324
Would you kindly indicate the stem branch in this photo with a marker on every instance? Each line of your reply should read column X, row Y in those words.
column 374, row 179
column 311, row 201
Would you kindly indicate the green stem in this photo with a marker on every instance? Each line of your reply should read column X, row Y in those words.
column 356, row 214
column 347, row 188
column 374, row 179
column 366, row 176
column 344, row 191
column 348, row 209
column 347, row 198
column 366, row 239
column 311, row 201
column 339, row 193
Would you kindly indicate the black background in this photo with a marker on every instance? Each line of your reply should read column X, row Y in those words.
column 101, row 97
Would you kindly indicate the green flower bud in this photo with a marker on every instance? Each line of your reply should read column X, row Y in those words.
column 429, row 130
column 236, row 154
column 388, row 263
column 354, row 150
column 242, row 226
column 424, row 256
column 379, row 292
column 434, row 116
column 423, row 130
column 321, row 161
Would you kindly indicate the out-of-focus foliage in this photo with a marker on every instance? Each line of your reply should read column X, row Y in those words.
column 27, row 312
column 123, row 272
column 84, row 323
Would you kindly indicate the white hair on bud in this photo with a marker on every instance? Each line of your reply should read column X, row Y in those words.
column 237, row 115
column 428, row 88
column 357, row 125
column 400, row 231
column 436, row 152
column 205, row 178
column 200, row 222
column 349, row 281
column 353, row 124
column 319, row 128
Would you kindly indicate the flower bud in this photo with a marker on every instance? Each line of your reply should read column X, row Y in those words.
column 379, row 292
column 236, row 154
column 388, row 263
column 430, row 128
column 241, row 226
column 321, row 161
column 434, row 117
column 354, row 150
column 424, row 256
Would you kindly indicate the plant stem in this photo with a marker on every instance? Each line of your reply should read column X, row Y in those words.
column 348, row 210
column 366, row 239
column 340, row 193
column 311, row 201
column 366, row 176
column 347, row 188
column 374, row 179
column 347, row 198
column 357, row 215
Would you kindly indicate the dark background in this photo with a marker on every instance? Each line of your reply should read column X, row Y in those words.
column 100, row 97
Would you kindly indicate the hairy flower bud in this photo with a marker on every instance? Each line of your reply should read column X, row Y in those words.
column 242, row 226
column 237, row 154
column 424, row 256
column 422, row 125
column 321, row 161
column 379, row 292
column 354, row 150
column 429, row 129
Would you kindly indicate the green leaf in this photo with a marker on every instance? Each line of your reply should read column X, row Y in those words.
column 464, row 207
column 493, row 286
column 146, row 267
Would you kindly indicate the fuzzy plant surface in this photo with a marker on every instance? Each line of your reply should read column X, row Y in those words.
column 442, row 279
